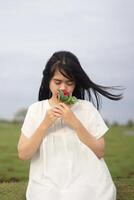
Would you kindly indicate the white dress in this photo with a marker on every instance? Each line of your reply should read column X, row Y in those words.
column 64, row 168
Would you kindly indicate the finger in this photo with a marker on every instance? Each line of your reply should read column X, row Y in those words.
column 59, row 107
column 57, row 114
column 63, row 105
column 57, row 110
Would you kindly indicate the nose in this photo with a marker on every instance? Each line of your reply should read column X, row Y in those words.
column 63, row 86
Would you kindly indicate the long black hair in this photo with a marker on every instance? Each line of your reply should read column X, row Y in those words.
column 69, row 66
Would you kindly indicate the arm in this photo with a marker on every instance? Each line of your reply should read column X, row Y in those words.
column 28, row 146
column 97, row 145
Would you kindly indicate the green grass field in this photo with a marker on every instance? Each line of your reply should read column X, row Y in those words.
column 119, row 158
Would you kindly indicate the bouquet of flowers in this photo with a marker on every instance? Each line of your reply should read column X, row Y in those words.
column 64, row 96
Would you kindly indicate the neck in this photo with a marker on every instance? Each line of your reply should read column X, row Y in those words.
column 54, row 100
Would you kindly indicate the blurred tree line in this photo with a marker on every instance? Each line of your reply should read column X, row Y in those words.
column 19, row 117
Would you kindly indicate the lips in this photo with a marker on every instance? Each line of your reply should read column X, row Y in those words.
column 66, row 93
column 64, row 96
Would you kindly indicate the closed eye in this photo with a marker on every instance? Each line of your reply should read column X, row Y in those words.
column 57, row 82
column 70, row 83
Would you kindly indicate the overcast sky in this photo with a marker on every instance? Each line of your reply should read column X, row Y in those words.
column 100, row 33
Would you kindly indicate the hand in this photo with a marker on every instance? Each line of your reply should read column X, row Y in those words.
column 63, row 111
column 50, row 118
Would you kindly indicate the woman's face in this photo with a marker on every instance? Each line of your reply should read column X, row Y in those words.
column 59, row 81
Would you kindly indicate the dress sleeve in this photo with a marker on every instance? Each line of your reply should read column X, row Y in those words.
column 96, row 125
column 29, row 124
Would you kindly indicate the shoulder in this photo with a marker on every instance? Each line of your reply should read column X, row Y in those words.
column 36, row 105
column 87, row 104
column 88, row 107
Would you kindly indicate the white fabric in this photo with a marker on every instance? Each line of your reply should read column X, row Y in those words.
column 64, row 168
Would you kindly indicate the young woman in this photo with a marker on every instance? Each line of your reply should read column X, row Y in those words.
column 65, row 143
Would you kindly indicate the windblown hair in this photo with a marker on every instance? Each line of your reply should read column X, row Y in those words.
column 69, row 66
